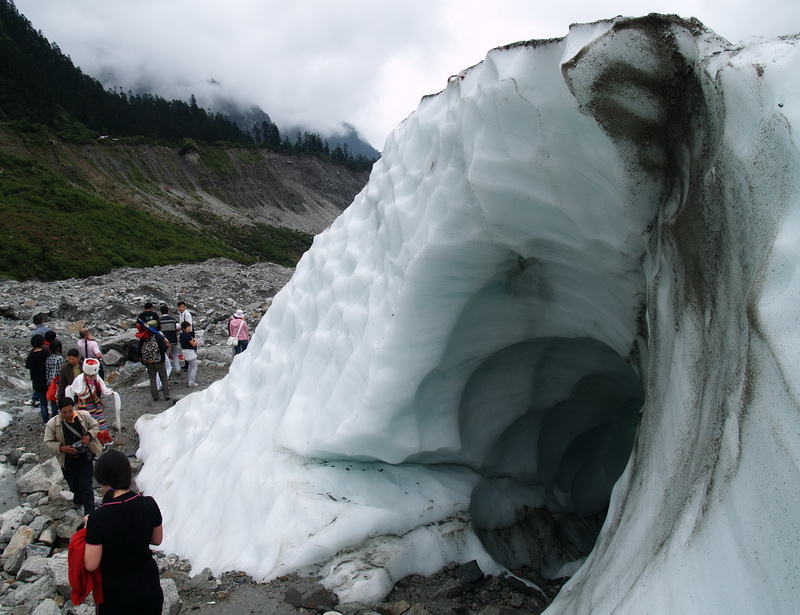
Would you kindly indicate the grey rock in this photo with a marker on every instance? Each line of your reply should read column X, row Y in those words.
column 26, row 458
column 32, row 567
column 13, row 519
column 203, row 581
column 21, row 539
column 393, row 608
column 468, row 573
column 310, row 594
column 69, row 524
column 14, row 456
column 38, row 550
column 49, row 535
column 38, row 524
column 47, row 607
column 113, row 357
column 31, row 593
column 172, row 601
column 496, row 609
column 13, row 562
column 450, row 589
column 353, row 608
column 85, row 608
column 57, row 568
column 42, row 478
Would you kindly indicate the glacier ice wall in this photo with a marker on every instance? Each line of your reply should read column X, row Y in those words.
column 573, row 270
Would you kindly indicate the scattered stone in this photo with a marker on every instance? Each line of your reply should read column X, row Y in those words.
column 203, row 581
column 468, row 573
column 310, row 594
column 450, row 589
column 392, row 608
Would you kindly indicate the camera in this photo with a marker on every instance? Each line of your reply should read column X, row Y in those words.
column 83, row 450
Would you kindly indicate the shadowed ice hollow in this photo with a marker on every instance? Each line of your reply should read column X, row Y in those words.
column 560, row 320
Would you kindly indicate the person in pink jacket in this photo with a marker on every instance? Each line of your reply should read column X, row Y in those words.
column 237, row 328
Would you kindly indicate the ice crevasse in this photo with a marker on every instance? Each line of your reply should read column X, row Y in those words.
column 561, row 321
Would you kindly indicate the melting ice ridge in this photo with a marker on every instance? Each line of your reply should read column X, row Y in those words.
column 568, row 297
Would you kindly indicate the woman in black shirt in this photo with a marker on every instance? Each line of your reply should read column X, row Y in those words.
column 118, row 539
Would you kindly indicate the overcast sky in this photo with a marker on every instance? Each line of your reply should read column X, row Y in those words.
column 323, row 62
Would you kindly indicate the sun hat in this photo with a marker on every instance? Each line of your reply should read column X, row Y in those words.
column 238, row 314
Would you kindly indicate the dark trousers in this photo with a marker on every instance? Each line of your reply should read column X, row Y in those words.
column 160, row 369
column 78, row 474
column 40, row 397
column 241, row 346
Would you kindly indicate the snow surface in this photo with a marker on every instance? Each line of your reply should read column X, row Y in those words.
column 577, row 263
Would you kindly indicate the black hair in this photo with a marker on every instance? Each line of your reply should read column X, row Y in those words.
column 67, row 401
column 186, row 325
column 181, row 302
column 164, row 309
column 49, row 336
column 148, row 306
column 73, row 352
column 113, row 469
column 56, row 347
column 38, row 319
column 37, row 341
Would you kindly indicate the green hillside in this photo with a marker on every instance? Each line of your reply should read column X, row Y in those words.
column 91, row 180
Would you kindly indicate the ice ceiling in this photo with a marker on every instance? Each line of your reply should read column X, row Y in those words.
column 567, row 298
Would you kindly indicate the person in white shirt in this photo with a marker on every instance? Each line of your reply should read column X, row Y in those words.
column 184, row 315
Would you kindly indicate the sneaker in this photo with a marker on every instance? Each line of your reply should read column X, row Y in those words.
column 28, row 402
column 192, row 384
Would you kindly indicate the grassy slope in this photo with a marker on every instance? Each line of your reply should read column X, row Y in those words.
column 54, row 225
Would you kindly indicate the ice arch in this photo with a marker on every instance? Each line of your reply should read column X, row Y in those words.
column 619, row 207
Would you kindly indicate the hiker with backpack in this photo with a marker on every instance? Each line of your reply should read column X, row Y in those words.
column 153, row 350
column 168, row 325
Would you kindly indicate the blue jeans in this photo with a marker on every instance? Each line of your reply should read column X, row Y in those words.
column 240, row 347
column 41, row 397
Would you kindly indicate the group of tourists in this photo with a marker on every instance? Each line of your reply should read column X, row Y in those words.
column 166, row 340
column 112, row 551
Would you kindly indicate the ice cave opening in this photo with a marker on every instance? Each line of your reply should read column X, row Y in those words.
column 547, row 474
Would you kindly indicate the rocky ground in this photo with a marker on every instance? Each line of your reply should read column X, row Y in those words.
column 108, row 305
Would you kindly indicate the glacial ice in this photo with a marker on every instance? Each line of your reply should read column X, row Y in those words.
column 566, row 302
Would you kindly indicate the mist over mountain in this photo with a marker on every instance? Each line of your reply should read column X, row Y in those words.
column 172, row 181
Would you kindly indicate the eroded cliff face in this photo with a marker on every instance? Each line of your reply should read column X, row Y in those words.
column 194, row 185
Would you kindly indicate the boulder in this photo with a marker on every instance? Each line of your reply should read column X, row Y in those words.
column 203, row 581
column 42, row 477
column 32, row 567
column 69, row 524
column 47, row 607
column 57, row 570
column 172, row 601
column 21, row 539
column 31, row 593
column 310, row 594
column 13, row 519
